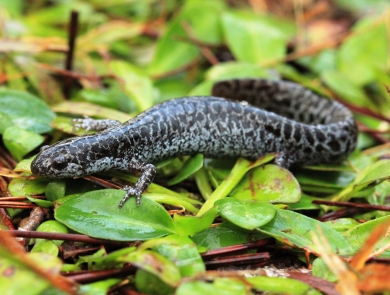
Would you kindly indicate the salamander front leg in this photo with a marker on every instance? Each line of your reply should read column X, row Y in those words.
column 148, row 173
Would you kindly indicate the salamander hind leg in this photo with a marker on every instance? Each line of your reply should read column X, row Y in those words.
column 148, row 173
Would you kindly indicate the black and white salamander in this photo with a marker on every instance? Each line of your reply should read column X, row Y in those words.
column 301, row 126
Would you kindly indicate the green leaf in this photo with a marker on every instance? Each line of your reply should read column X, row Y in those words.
column 190, row 167
column 321, row 270
column 148, row 283
column 136, row 83
column 241, row 167
column 17, row 278
column 25, row 110
column 155, row 264
column 40, row 202
column 295, row 230
column 226, row 234
column 252, row 38
column 99, row 288
column 246, row 213
column 20, row 142
column 268, row 183
column 51, row 226
column 20, row 186
column 97, row 214
column 344, row 88
column 281, row 286
column 373, row 174
column 358, row 235
column 220, row 286
column 201, row 18
column 90, row 110
column 236, row 69
column 55, row 190
column 365, row 52
column 181, row 250
column 189, row 225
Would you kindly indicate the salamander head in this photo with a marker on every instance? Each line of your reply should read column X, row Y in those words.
column 72, row 157
column 57, row 161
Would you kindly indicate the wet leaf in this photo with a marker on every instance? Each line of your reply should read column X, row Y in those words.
column 268, row 183
column 155, row 264
column 223, row 286
column 97, row 214
column 295, row 230
column 224, row 235
column 18, row 106
column 281, row 286
column 181, row 250
column 359, row 234
column 244, row 34
column 136, row 83
column 247, row 214
column 20, row 142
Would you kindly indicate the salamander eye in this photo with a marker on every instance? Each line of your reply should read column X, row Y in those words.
column 60, row 162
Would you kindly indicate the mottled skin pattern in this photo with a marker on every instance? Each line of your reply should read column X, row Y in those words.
column 301, row 126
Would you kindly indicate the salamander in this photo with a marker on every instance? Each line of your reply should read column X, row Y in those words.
column 242, row 118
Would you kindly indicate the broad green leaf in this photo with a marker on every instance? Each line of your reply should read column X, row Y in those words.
column 252, row 38
column 281, row 286
column 268, row 183
column 342, row 224
column 247, row 214
column 155, row 264
column 190, row 167
column 55, row 190
column 20, row 186
column 148, row 283
column 304, row 204
column 321, row 270
column 99, row 288
column 348, row 91
column 47, row 247
column 51, row 226
column 181, row 250
column 17, row 278
column 197, row 18
column 359, row 234
column 20, row 141
column 365, row 51
column 239, row 170
column 220, row 286
column 40, row 202
column 189, row 225
column 25, row 110
column 236, row 69
column 328, row 179
column 136, row 83
column 97, row 214
column 4, row 122
column 224, row 235
column 24, row 165
column 112, row 97
column 295, row 230
column 373, row 174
